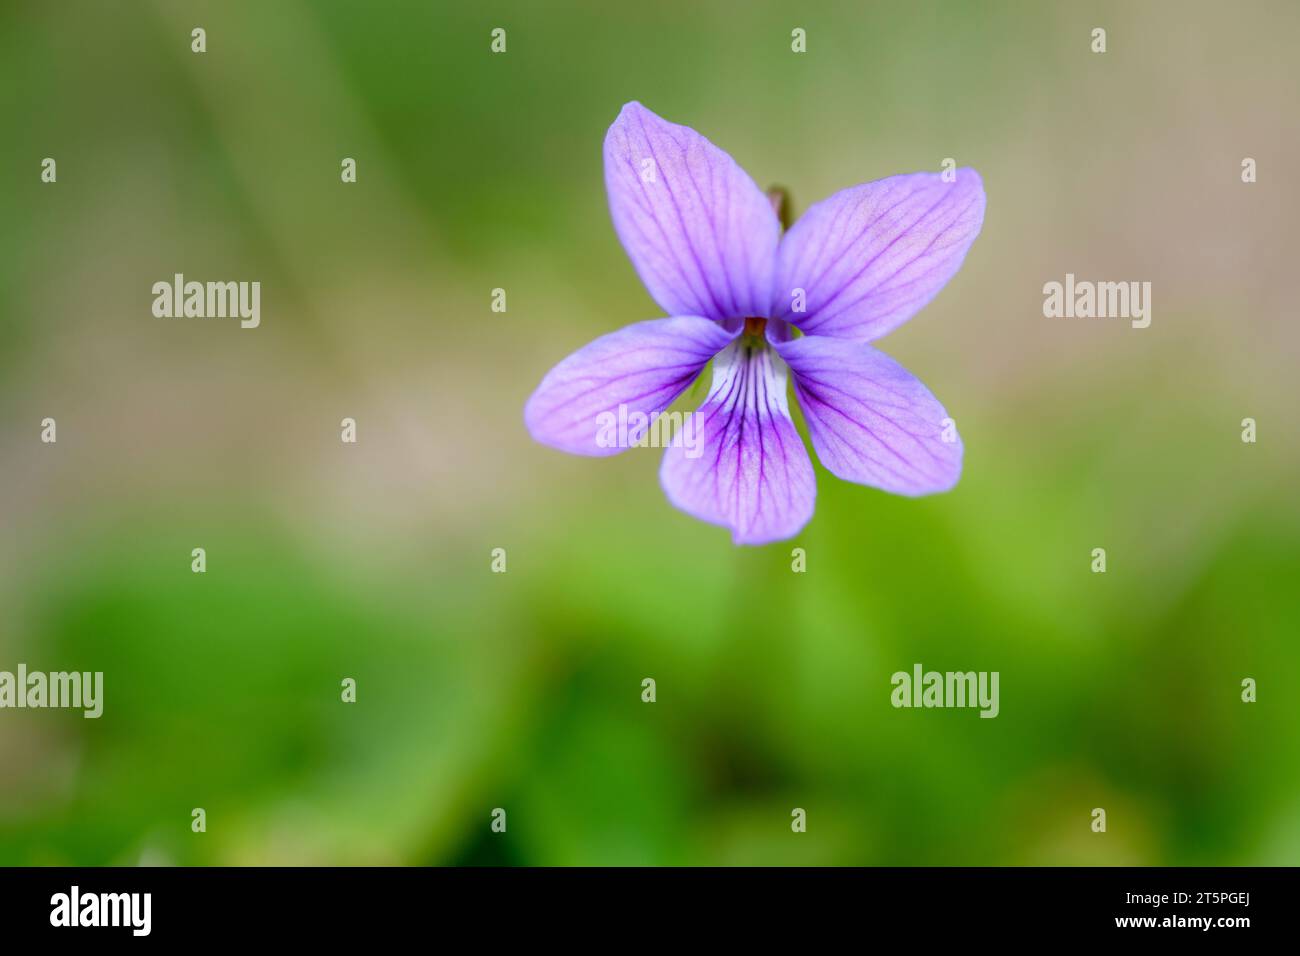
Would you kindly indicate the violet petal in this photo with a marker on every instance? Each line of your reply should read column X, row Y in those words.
column 871, row 420
column 870, row 257
column 753, row 474
column 644, row 367
column 700, row 233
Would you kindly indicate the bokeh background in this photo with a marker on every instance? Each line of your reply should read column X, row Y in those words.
column 522, row 690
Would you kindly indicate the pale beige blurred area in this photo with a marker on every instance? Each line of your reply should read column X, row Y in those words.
column 1124, row 165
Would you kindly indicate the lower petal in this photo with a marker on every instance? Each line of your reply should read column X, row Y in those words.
column 627, row 376
column 748, row 469
column 871, row 420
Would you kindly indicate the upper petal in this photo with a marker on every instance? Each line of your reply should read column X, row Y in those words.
column 869, row 258
column 700, row 233
column 747, row 468
column 871, row 420
column 642, row 367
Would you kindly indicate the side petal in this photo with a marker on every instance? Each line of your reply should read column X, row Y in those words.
column 869, row 258
column 637, row 371
column 871, row 420
column 700, row 233
column 747, row 468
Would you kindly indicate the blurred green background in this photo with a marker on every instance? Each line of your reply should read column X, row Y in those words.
column 522, row 690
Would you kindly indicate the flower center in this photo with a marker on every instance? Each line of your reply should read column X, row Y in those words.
column 755, row 326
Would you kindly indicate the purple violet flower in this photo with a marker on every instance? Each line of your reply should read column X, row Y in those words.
column 707, row 243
